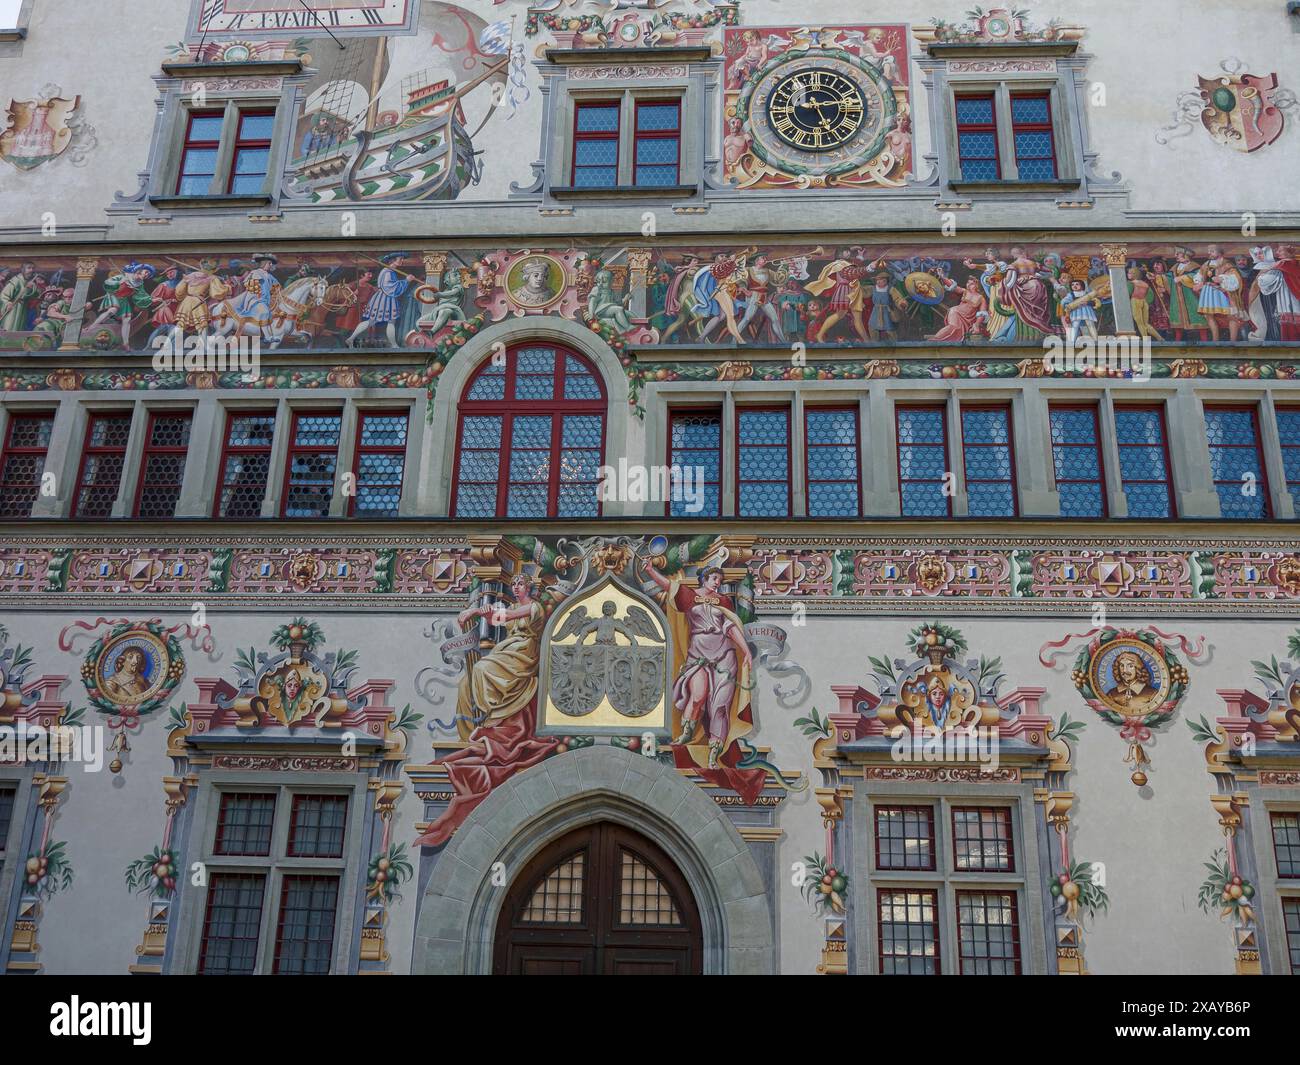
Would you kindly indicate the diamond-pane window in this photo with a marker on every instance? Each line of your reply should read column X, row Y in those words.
column 832, row 457
column 102, row 461
column 989, row 456
column 1144, row 461
column 1076, row 458
column 26, row 442
column 977, row 138
column 695, row 462
column 162, row 468
column 1237, row 462
column 312, row 465
column 245, row 464
column 762, row 463
column 922, row 461
column 380, row 460
column 532, row 444
column 595, row 145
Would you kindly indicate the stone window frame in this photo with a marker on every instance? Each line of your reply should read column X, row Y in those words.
column 276, row 865
column 20, row 777
column 1270, row 889
column 628, row 75
column 231, row 90
column 12, row 38
column 1025, row 880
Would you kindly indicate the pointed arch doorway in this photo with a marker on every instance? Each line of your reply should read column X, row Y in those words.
column 601, row 900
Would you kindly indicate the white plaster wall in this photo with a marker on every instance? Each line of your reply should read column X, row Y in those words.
column 1144, row 55
column 1152, row 847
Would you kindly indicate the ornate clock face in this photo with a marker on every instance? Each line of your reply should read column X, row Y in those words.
column 817, row 112
column 816, row 109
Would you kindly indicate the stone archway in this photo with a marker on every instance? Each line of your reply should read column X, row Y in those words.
column 459, row 911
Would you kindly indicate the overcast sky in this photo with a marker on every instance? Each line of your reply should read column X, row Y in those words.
column 9, row 13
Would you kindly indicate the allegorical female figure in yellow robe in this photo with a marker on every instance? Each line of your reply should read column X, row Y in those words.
column 496, row 710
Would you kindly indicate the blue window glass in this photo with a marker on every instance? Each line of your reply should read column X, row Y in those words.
column 595, row 145
column 832, row 456
column 1288, row 430
column 695, row 463
column 922, row 461
column 658, row 144
column 381, row 458
column 989, row 462
column 531, row 437
column 977, row 138
column 313, row 459
column 1031, row 128
column 1144, row 461
column 1237, row 462
column 763, row 463
column 1076, row 456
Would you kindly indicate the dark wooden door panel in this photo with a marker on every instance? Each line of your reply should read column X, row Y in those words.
column 602, row 899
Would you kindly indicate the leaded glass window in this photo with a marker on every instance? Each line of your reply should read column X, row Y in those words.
column 1237, row 462
column 922, row 461
column 763, row 463
column 1144, row 461
column 832, row 457
column 1076, row 458
column 989, row 457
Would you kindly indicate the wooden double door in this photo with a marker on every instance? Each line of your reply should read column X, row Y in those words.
column 602, row 900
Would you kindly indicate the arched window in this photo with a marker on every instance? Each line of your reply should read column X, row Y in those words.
column 531, row 437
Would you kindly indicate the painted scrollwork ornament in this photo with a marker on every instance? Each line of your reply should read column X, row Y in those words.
column 1131, row 679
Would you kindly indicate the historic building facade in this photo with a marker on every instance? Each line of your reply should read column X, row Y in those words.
column 649, row 487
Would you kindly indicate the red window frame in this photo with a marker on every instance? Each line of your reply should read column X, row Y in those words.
column 1258, row 447
column 789, row 456
column 10, row 451
column 555, row 407
column 904, row 810
column 296, row 809
column 1014, row 957
column 1003, row 818
column 1034, row 127
column 229, row 450
column 197, row 145
column 808, row 448
column 228, row 798
column 89, row 451
column 308, row 449
column 361, row 450
column 1292, row 486
column 295, row 879
column 638, row 135
column 674, row 413
column 243, row 144
column 151, row 450
column 979, row 127
column 595, row 135
column 881, row 894
column 217, row 878
column 1087, row 408
column 1159, row 410
column 1293, row 849
column 899, row 408
column 966, row 448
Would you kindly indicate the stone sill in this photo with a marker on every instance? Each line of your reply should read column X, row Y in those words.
column 1059, row 185
column 623, row 192
column 620, row 56
column 256, row 66
column 15, row 34
column 971, row 50
column 169, row 203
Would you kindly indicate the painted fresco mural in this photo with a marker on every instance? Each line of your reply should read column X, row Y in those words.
column 638, row 298
column 1239, row 110
column 672, row 665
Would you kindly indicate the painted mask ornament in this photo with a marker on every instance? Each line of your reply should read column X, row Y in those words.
column 130, row 672
column 297, row 686
column 1132, row 679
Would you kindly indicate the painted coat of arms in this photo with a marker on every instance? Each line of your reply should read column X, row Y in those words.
column 42, row 129
column 1242, row 111
column 297, row 686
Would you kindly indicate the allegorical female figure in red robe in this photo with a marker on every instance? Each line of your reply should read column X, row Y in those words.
column 712, row 664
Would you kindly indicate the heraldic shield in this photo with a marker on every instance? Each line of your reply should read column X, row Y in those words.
column 606, row 664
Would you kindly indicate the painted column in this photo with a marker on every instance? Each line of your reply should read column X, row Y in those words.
column 1116, row 256
column 72, row 331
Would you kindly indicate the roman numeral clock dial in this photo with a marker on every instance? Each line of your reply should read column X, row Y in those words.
column 819, row 112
